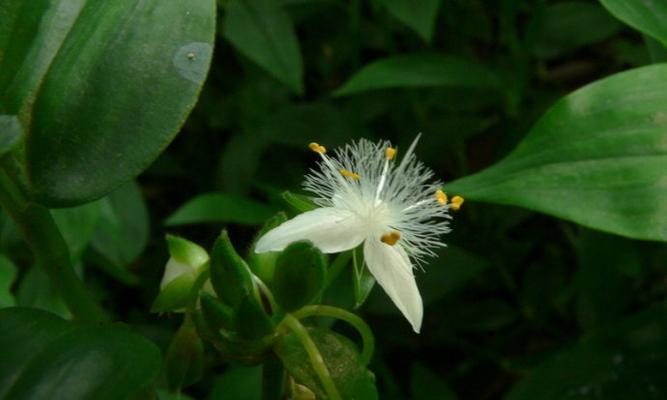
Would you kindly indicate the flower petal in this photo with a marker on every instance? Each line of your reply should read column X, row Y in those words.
column 392, row 269
column 330, row 229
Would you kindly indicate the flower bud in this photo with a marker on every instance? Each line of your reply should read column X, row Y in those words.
column 187, row 262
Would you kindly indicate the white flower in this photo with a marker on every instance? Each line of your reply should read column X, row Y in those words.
column 365, row 196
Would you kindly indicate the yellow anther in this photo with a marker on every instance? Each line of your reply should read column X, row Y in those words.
column 441, row 197
column 349, row 174
column 317, row 148
column 390, row 153
column 390, row 238
column 457, row 201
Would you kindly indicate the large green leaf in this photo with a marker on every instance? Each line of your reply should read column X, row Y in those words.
column 351, row 378
column 419, row 70
column 7, row 275
column 221, row 208
column 418, row 15
column 113, row 81
column 45, row 357
column 598, row 158
column 625, row 361
column 647, row 16
column 263, row 31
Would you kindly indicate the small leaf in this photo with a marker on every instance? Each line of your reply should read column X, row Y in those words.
column 78, row 225
column 420, row 70
column 647, row 16
column 418, row 15
column 101, row 362
column 220, row 208
column 263, row 32
column 299, row 275
column 619, row 362
column 598, row 157
column 351, row 378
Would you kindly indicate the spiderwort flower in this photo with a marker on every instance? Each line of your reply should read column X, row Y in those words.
column 365, row 196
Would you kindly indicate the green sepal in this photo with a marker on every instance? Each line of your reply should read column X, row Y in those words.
column 230, row 275
column 217, row 315
column 299, row 276
column 185, row 358
column 251, row 320
column 298, row 202
column 362, row 278
column 186, row 252
column 174, row 296
column 263, row 264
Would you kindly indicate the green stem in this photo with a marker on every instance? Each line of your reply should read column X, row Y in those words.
column 368, row 341
column 315, row 357
column 47, row 244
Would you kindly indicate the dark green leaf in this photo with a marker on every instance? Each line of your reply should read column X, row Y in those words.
column 7, row 275
column 596, row 158
column 251, row 321
column 299, row 275
column 185, row 358
column 130, row 79
column 122, row 232
column 647, row 16
column 567, row 26
column 351, row 378
column 221, row 208
column 624, row 361
column 35, row 290
column 238, row 384
column 263, row 32
column 78, row 225
column 419, row 70
column 45, row 357
column 426, row 385
column 418, row 15
column 11, row 132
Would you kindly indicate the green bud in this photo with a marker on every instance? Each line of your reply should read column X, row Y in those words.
column 299, row 275
column 230, row 275
column 252, row 323
column 217, row 315
column 187, row 262
column 185, row 358
column 264, row 264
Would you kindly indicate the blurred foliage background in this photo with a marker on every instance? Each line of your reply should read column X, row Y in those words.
column 517, row 305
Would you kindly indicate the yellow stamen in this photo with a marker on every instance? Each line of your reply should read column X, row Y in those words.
column 390, row 238
column 317, row 148
column 441, row 197
column 390, row 153
column 349, row 174
column 457, row 201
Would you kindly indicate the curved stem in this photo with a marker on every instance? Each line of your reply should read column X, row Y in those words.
column 47, row 244
column 315, row 357
column 368, row 341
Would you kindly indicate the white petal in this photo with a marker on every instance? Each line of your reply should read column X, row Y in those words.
column 332, row 230
column 392, row 269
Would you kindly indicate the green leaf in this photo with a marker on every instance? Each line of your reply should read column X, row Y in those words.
column 221, row 208
column 35, row 290
column 263, row 32
column 185, row 358
column 568, row 26
column 341, row 357
column 45, row 357
column 78, row 225
column 217, row 315
column 105, row 55
column 420, row 70
column 299, row 275
column 123, row 229
column 623, row 361
column 238, row 384
column 597, row 158
column 7, row 276
column 298, row 202
column 11, row 132
column 420, row 15
column 647, row 16
column 251, row 321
